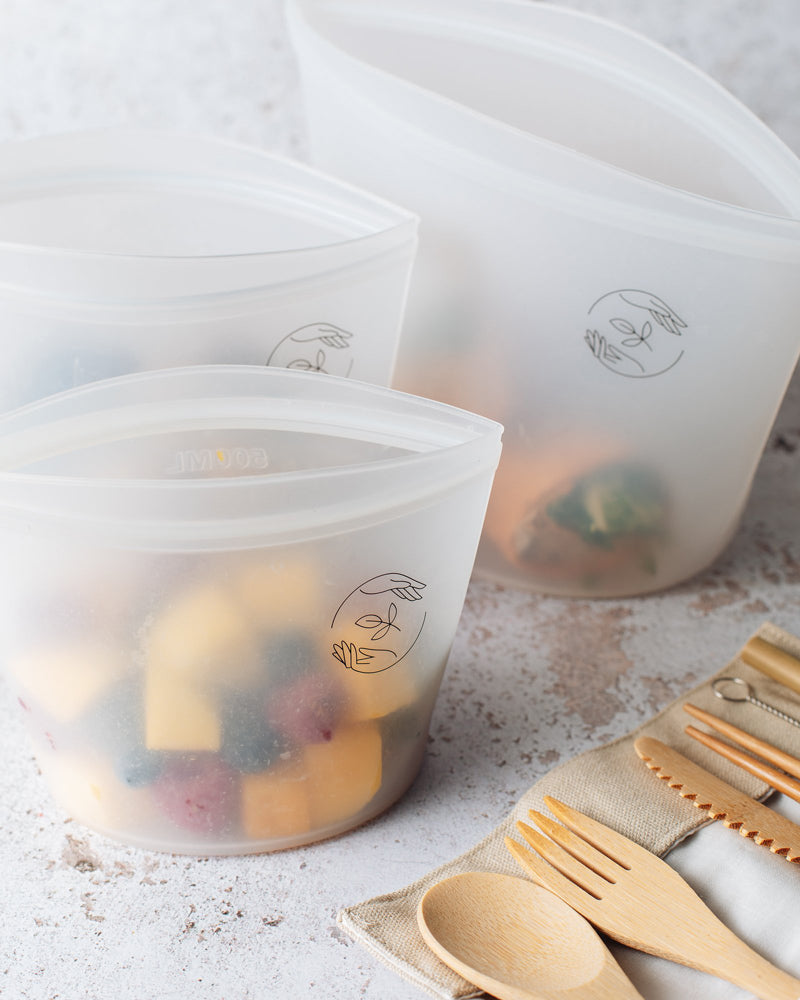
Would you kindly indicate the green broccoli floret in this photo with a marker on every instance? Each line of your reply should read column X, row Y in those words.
column 610, row 503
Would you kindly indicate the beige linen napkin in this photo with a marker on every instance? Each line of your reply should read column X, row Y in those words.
column 609, row 783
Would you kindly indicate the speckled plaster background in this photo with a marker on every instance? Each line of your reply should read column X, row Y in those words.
column 532, row 680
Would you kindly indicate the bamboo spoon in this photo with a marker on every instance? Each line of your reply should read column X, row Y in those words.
column 517, row 941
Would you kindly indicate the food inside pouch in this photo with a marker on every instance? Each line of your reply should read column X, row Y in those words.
column 237, row 728
column 575, row 515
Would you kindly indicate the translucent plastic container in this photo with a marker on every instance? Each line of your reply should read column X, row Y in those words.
column 229, row 596
column 127, row 250
column 609, row 264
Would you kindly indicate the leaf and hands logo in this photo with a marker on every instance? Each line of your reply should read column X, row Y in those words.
column 379, row 623
column 635, row 333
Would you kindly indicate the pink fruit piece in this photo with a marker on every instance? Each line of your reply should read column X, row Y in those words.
column 198, row 793
column 306, row 710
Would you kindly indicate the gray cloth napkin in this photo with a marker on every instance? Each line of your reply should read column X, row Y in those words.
column 609, row 783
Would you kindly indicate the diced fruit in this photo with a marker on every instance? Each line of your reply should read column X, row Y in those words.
column 64, row 679
column 198, row 794
column 249, row 743
column 277, row 595
column 306, row 710
column 178, row 714
column 115, row 721
column 92, row 793
column 205, row 635
column 343, row 774
column 275, row 804
column 234, row 719
column 138, row 766
column 287, row 655
column 372, row 696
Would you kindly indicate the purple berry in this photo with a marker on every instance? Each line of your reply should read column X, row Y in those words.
column 307, row 710
column 198, row 793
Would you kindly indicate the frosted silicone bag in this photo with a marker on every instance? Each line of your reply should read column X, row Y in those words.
column 125, row 250
column 609, row 264
column 229, row 595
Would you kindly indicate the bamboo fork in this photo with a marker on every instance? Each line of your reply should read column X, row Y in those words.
column 637, row 899
column 773, row 777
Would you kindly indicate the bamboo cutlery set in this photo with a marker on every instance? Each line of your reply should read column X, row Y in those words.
column 519, row 939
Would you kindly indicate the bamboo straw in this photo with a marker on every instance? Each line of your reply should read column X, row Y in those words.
column 772, row 661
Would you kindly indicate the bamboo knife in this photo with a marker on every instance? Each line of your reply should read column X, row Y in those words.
column 720, row 800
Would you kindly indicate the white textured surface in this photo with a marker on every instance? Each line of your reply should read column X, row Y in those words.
column 531, row 679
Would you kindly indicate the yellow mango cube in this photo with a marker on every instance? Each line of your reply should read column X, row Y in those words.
column 370, row 696
column 204, row 634
column 275, row 803
column 178, row 714
column 88, row 790
column 278, row 595
column 343, row 774
column 65, row 678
